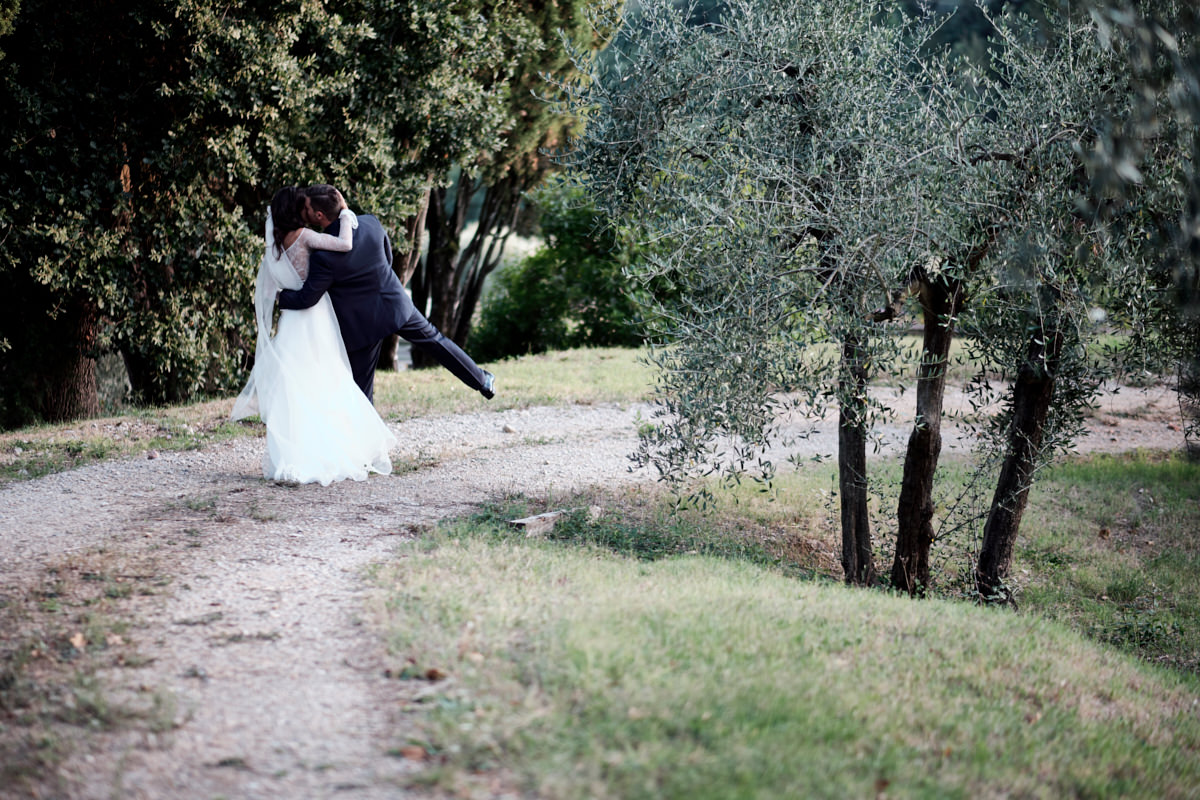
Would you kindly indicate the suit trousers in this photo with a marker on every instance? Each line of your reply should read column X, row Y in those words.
column 362, row 365
column 421, row 333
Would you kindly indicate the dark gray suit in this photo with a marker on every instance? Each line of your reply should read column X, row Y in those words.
column 371, row 304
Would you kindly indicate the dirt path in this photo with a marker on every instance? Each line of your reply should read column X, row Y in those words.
column 250, row 660
column 266, row 682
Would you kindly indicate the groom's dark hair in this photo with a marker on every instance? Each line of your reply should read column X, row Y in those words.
column 324, row 199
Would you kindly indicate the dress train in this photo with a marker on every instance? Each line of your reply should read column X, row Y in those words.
column 321, row 428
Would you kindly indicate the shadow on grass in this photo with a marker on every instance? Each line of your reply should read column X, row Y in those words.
column 1109, row 545
column 644, row 526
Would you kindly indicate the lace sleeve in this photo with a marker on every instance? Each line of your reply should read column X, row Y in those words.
column 340, row 243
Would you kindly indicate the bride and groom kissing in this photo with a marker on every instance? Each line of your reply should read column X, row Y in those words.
column 313, row 380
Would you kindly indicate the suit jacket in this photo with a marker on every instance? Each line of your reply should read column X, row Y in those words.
column 367, row 296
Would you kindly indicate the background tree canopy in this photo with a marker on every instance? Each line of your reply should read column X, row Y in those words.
column 449, row 281
column 143, row 141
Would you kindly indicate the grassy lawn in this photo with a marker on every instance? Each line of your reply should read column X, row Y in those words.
column 1112, row 548
column 585, row 377
column 647, row 654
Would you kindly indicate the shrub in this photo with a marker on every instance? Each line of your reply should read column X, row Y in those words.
column 571, row 293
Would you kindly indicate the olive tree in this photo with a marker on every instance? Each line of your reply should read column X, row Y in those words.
column 802, row 177
column 784, row 174
column 1052, row 275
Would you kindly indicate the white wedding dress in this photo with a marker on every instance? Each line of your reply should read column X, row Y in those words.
column 321, row 428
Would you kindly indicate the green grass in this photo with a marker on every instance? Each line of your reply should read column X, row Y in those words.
column 45, row 449
column 1111, row 545
column 651, row 653
column 602, row 669
column 642, row 523
column 584, row 376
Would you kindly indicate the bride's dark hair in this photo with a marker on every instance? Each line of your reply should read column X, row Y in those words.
column 285, row 214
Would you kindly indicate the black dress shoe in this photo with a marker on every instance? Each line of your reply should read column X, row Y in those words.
column 488, row 390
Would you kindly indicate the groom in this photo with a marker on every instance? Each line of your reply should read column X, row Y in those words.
column 368, row 299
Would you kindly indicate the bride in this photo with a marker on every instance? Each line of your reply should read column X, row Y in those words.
column 320, row 426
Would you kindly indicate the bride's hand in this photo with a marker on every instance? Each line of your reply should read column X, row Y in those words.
column 341, row 200
column 346, row 213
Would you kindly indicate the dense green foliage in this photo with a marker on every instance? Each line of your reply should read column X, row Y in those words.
column 8, row 12
column 143, row 141
column 131, row 135
column 569, row 293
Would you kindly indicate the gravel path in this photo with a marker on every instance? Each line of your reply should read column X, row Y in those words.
column 269, row 684
column 273, row 686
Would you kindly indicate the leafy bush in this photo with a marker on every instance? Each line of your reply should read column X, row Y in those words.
column 571, row 293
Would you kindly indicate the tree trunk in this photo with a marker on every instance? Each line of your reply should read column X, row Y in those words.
column 858, row 562
column 404, row 265
column 435, row 283
column 1188, row 387
column 67, row 383
column 389, row 360
column 451, row 280
column 497, row 219
column 1032, row 395
column 940, row 301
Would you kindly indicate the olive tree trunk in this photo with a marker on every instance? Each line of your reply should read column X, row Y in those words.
column 450, row 281
column 858, row 561
column 940, row 302
column 1033, row 393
